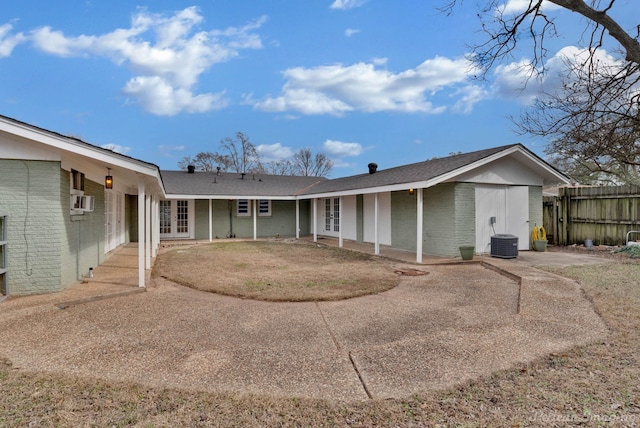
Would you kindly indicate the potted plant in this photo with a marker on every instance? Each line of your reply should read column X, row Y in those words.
column 467, row 251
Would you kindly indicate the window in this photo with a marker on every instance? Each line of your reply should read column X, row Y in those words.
column 244, row 208
column 264, row 207
column 77, row 180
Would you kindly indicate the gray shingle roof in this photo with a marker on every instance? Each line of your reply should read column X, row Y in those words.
column 233, row 185
column 421, row 171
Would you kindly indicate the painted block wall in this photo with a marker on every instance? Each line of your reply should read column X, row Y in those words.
column 282, row 221
column 449, row 218
column 403, row 220
column 535, row 207
column 83, row 237
column 30, row 192
column 465, row 216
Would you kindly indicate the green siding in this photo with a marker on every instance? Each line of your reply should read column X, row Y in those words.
column 31, row 196
column 83, row 240
column 465, row 216
column 282, row 221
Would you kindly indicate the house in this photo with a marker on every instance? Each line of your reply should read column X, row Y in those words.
column 59, row 218
column 430, row 207
column 65, row 204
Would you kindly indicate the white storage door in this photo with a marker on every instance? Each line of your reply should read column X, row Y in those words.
column 510, row 207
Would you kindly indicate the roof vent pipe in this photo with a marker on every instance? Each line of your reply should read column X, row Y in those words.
column 373, row 167
column 191, row 169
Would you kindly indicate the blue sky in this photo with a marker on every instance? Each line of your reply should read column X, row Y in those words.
column 360, row 80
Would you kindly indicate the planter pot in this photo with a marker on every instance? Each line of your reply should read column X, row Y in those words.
column 540, row 245
column 467, row 251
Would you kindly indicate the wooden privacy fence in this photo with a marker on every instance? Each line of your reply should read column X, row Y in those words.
column 603, row 214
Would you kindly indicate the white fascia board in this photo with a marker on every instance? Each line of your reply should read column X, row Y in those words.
column 230, row 197
column 76, row 147
column 444, row 177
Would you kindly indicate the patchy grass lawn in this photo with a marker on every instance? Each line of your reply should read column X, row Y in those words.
column 276, row 270
column 594, row 385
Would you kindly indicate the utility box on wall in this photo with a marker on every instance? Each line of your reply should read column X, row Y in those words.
column 504, row 246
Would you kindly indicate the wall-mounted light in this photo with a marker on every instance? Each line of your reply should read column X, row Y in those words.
column 412, row 191
column 108, row 180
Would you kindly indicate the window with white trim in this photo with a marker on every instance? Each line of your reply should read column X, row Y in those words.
column 244, row 208
column 264, row 208
column 77, row 192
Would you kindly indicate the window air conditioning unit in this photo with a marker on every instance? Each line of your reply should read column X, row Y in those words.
column 504, row 246
column 87, row 203
column 81, row 203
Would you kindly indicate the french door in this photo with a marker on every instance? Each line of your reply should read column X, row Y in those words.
column 176, row 219
column 331, row 216
column 113, row 225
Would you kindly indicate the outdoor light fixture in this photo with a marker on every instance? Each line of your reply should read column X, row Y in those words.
column 412, row 191
column 108, row 180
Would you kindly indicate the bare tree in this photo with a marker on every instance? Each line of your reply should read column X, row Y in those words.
column 281, row 167
column 205, row 161
column 242, row 154
column 306, row 164
column 594, row 117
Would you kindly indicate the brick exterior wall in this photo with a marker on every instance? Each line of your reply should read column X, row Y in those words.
column 83, row 234
column 449, row 219
column 47, row 248
column 30, row 195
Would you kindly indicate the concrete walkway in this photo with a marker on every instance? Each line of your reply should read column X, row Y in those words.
column 459, row 322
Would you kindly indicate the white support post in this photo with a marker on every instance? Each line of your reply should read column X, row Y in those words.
column 255, row 220
column 375, row 226
column 210, row 222
column 297, row 219
column 315, row 219
column 340, row 240
column 155, row 228
column 419, row 225
column 141, row 229
column 147, row 232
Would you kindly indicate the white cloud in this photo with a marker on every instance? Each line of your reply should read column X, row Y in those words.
column 514, row 80
column 167, row 63
column 350, row 32
column 274, row 152
column 117, row 148
column 342, row 149
column 347, row 4
column 159, row 97
column 7, row 41
column 512, row 7
column 336, row 89
column 379, row 61
column 469, row 96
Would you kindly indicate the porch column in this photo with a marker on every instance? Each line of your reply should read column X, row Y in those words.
column 147, row 232
column 419, row 221
column 340, row 240
column 155, row 228
column 141, row 229
column 375, row 226
column 315, row 219
column 297, row 219
column 255, row 220
column 210, row 222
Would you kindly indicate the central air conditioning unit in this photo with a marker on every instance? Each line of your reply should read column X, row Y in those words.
column 504, row 246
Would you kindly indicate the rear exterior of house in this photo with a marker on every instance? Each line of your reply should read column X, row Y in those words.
column 58, row 218
column 65, row 204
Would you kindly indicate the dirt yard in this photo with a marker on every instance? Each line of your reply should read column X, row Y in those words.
column 592, row 385
column 277, row 271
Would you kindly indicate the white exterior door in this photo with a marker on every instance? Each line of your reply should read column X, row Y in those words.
column 113, row 225
column 331, row 217
column 501, row 209
column 176, row 219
